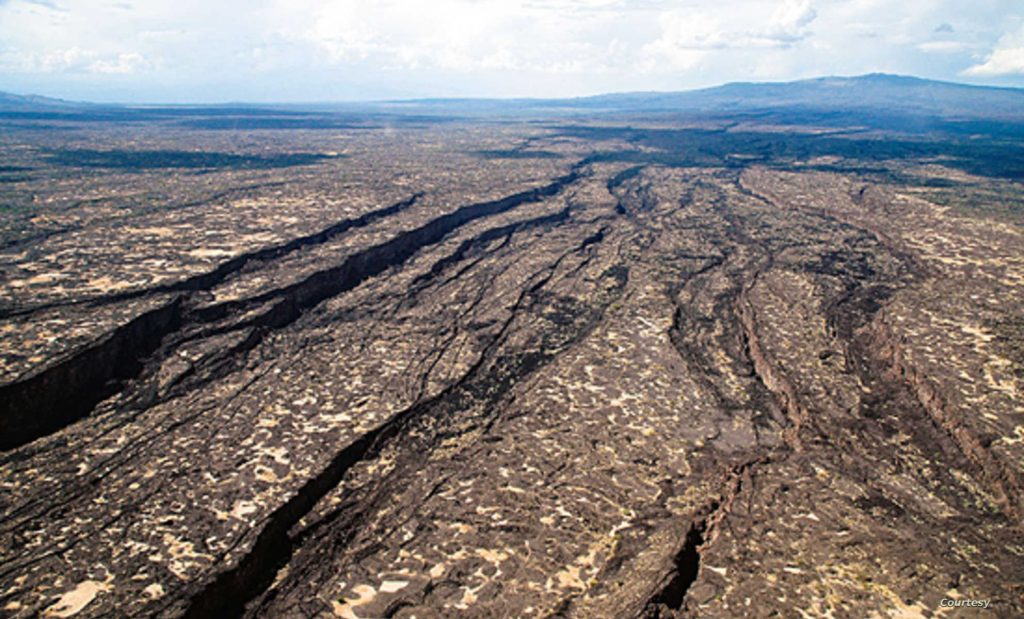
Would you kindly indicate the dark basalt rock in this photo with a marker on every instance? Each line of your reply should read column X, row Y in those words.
column 473, row 370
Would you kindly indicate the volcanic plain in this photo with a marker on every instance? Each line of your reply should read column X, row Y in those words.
column 294, row 364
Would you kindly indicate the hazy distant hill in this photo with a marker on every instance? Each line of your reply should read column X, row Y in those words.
column 868, row 92
column 891, row 100
column 875, row 93
column 12, row 102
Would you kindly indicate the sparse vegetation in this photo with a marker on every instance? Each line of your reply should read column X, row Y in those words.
column 467, row 359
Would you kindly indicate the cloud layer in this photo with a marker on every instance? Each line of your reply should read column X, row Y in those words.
column 1006, row 59
column 351, row 49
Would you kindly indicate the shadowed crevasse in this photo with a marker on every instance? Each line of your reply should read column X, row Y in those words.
column 64, row 393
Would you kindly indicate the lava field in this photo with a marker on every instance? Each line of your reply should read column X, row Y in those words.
column 483, row 369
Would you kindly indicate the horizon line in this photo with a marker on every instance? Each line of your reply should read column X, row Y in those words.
column 443, row 99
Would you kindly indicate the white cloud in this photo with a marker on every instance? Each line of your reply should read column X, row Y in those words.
column 73, row 60
column 467, row 35
column 943, row 47
column 334, row 49
column 124, row 62
column 789, row 22
column 43, row 37
column 340, row 31
column 1006, row 59
column 685, row 32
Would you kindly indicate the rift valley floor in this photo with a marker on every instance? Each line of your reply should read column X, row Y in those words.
column 594, row 367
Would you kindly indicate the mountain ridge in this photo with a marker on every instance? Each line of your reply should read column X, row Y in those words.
column 874, row 91
column 868, row 79
column 876, row 99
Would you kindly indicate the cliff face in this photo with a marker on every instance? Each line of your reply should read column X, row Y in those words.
column 592, row 389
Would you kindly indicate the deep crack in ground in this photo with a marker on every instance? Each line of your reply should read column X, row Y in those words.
column 609, row 390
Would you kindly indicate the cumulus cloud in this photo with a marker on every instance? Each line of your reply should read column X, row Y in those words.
column 943, row 47
column 462, row 35
column 1006, row 59
column 73, row 60
column 65, row 50
column 332, row 49
column 687, row 34
column 123, row 62
column 789, row 22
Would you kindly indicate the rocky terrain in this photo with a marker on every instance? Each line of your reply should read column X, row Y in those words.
column 470, row 368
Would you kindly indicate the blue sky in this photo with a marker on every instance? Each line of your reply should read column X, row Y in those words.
column 336, row 50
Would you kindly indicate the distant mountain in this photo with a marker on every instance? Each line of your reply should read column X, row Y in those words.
column 13, row 102
column 877, row 91
column 892, row 96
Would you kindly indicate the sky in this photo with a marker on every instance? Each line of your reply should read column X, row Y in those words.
column 205, row 51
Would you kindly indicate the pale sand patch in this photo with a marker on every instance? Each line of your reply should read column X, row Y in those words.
column 391, row 586
column 210, row 253
column 346, row 610
column 108, row 284
column 72, row 602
